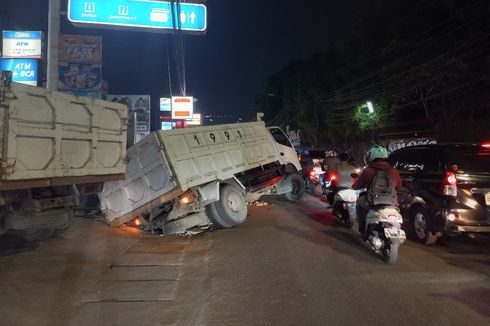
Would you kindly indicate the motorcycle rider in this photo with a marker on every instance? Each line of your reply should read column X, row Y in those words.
column 344, row 171
column 377, row 158
column 342, row 174
column 329, row 163
column 331, row 160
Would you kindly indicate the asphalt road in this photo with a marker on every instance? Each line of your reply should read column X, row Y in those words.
column 288, row 264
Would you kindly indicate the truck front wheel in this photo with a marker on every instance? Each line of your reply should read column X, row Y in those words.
column 297, row 188
column 230, row 210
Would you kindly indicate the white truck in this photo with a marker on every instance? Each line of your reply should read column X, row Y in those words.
column 184, row 178
column 54, row 146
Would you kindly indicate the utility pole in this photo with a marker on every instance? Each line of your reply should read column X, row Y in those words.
column 53, row 44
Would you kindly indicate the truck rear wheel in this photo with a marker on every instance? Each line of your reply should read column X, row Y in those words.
column 230, row 210
column 297, row 188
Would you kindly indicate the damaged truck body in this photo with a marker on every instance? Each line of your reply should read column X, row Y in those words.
column 185, row 178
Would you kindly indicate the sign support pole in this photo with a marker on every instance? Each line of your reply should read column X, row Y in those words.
column 53, row 44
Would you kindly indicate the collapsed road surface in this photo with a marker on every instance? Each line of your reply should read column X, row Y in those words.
column 286, row 265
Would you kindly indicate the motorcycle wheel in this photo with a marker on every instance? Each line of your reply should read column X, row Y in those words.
column 348, row 222
column 310, row 187
column 390, row 253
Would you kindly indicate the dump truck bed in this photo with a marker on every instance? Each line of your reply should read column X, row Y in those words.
column 167, row 163
column 51, row 138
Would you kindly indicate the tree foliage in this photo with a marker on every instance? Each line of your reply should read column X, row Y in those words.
column 416, row 60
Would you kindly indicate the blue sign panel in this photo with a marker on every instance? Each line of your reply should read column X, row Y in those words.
column 22, row 35
column 24, row 71
column 137, row 14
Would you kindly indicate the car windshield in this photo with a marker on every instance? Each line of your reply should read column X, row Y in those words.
column 470, row 159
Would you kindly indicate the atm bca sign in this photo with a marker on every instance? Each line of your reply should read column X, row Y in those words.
column 182, row 107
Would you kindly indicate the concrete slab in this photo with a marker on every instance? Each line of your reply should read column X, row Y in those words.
column 140, row 259
column 157, row 248
column 126, row 313
column 143, row 273
column 137, row 291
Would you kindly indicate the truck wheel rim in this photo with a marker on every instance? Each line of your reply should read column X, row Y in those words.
column 234, row 202
column 420, row 225
column 294, row 187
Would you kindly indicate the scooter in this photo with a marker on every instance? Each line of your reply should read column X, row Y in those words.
column 383, row 231
column 344, row 206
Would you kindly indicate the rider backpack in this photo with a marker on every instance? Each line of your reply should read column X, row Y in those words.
column 381, row 191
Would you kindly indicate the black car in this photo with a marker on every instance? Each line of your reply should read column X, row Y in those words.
column 446, row 189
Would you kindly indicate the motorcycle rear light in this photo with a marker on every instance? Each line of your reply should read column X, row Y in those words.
column 450, row 185
column 452, row 216
column 486, row 145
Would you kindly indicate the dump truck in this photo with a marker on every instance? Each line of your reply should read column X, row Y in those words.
column 54, row 147
column 180, row 179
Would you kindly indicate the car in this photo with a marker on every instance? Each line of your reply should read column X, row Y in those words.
column 445, row 189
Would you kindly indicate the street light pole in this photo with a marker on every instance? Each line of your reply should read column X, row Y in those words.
column 53, row 44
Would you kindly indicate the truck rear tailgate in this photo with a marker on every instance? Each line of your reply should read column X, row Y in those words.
column 53, row 138
column 148, row 182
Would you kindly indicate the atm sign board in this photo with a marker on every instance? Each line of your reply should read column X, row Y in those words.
column 24, row 71
column 182, row 107
column 21, row 44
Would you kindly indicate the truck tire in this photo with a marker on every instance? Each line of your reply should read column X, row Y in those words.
column 34, row 235
column 183, row 224
column 297, row 188
column 230, row 210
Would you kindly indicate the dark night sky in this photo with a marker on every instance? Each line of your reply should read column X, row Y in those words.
column 246, row 41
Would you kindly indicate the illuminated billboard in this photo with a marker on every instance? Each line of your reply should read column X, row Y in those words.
column 196, row 120
column 165, row 104
column 21, row 44
column 182, row 107
column 24, row 71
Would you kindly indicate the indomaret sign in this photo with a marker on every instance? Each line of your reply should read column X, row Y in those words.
column 182, row 107
column 137, row 15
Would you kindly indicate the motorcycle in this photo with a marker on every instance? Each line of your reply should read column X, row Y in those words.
column 383, row 231
column 312, row 179
column 344, row 206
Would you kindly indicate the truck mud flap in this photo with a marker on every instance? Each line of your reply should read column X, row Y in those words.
column 183, row 224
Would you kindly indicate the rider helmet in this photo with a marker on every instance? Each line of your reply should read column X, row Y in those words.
column 377, row 152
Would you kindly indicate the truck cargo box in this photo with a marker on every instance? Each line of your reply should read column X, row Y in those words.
column 167, row 163
column 51, row 138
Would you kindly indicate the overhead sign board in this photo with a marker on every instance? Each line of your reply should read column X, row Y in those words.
column 182, row 107
column 139, row 14
column 21, row 44
column 24, row 71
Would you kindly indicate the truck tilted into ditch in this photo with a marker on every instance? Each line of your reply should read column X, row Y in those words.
column 184, row 178
column 54, row 147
